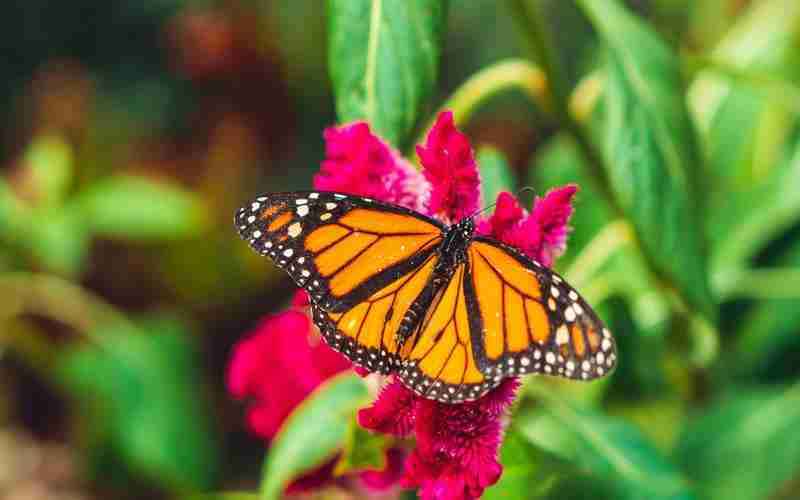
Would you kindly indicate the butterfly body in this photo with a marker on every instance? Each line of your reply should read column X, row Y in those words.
column 451, row 313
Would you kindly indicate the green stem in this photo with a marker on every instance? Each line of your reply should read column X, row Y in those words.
column 614, row 235
column 485, row 84
column 777, row 88
column 779, row 283
column 534, row 28
column 59, row 300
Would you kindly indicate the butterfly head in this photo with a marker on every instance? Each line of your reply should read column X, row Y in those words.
column 456, row 240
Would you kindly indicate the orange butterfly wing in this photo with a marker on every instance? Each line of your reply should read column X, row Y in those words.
column 363, row 263
column 501, row 315
column 340, row 248
column 532, row 321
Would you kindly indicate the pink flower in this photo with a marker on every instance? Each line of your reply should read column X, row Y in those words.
column 449, row 165
column 280, row 351
column 358, row 162
column 456, row 457
column 541, row 234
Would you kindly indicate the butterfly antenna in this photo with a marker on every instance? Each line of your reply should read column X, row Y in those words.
column 517, row 194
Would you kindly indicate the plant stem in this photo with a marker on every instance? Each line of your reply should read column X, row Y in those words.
column 777, row 283
column 485, row 84
column 614, row 235
column 533, row 27
column 59, row 300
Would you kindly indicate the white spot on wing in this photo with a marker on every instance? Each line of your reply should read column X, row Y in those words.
column 295, row 230
column 562, row 335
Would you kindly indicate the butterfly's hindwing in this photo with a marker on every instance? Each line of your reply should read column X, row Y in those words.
column 367, row 332
column 532, row 321
column 438, row 360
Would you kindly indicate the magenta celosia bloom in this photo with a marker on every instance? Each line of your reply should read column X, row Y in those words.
column 456, row 456
column 449, row 165
column 280, row 354
column 358, row 162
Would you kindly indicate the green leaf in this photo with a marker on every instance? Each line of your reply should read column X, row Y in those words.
column 496, row 174
column 313, row 433
column 745, row 446
column 58, row 240
column 767, row 331
column 383, row 58
column 139, row 394
column 612, row 450
column 557, row 163
column 746, row 106
column 48, row 163
column 136, row 208
column 363, row 450
column 649, row 149
column 522, row 477
column 12, row 213
column 764, row 40
column 754, row 216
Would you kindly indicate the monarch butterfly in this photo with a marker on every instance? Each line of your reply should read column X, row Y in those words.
column 451, row 313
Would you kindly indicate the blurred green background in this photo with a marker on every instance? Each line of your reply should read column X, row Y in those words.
column 133, row 130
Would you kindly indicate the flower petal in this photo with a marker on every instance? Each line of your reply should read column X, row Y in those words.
column 392, row 412
column 359, row 162
column 449, row 165
column 552, row 213
column 457, row 445
column 390, row 475
column 507, row 214
column 277, row 367
column 542, row 234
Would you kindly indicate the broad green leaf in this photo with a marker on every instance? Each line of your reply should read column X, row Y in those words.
column 764, row 40
column 362, row 450
column 143, row 413
column 768, row 331
column 754, row 216
column 649, row 149
column 136, row 208
column 557, row 163
column 613, row 451
column 313, row 433
column 383, row 57
column 745, row 446
column 58, row 240
column 496, row 174
column 522, row 476
column 746, row 104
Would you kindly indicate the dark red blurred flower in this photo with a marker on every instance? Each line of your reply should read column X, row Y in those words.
column 456, row 457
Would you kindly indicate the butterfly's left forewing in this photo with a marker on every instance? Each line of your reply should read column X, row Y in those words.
column 340, row 248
